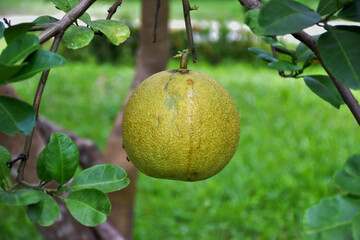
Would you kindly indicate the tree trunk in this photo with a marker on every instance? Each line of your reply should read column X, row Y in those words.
column 151, row 58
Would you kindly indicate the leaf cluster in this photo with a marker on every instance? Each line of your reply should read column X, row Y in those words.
column 337, row 46
column 21, row 57
column 85, row 196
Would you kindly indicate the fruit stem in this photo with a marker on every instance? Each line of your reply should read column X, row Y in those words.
column 184, row 61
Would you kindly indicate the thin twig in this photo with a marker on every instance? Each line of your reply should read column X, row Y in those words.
column 36, row 106
column 311, row 43
column 113, row 9
column 191, row 46
column 7, row 22
column 158, row 4
column 66, row 21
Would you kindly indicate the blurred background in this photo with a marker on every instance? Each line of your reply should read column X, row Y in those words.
column 291, row 141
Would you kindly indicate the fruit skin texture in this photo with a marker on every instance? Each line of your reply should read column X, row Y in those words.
column 180, row 125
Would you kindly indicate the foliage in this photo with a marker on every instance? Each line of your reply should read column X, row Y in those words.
column 20, row 59
column 336, row 217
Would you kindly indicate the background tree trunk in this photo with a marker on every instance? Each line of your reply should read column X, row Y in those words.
column 151, row 58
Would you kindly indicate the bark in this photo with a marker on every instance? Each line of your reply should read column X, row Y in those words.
column 151, row 58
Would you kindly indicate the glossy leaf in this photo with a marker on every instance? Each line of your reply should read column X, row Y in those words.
column 252, row 20
column 348, row 183
column 19, row 49
column 356, row 226
column 39, row 61
column 339, row 49
column 44, row 212
column 5, row 157
column 329, row 6
column 262, row 54
column 324, row 87
column 61, row 157
column 76, row 37
column 67, row 5
column 279, row 17
column 104, row 177
column 7, row 72
column 331, row 214
column 116, row 31
column 276, row 44
column 351, row 12
column 45, row 20
column 283, row 65
column 16, row 116
column 2, row 28
column 302, row 52
column 88, row 206
column 13, row 32
column 21, row 197
column 352, row 166
column 41, row 170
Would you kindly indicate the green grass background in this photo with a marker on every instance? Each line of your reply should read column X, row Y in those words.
column 291, row 144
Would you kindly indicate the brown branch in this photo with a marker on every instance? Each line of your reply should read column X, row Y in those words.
column 311, row 43
column 191, row 46
column 158, row 4
column 66, row 21
column 113, row 8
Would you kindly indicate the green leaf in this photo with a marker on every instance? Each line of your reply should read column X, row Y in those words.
column 324, row 87
column 356, row 226
column 116, row 31
column 67, row 5
column 348, row 183
column 7, row 72
column 45, row 20
column 262, row 54
column 2, row 29
column 19, row 49
column 352, row 166
column 329, row 6
column 21, row 197
column 44, row 212
column 283, row 65
column 351, row 12
column 41, row 170
column 302, row 52
column 339, row 49
column 341, row 232
column 76, row 37
column 331, row 214
column 88, row 206
column 279, row 17
column 252, row 20
column 5, row 157
column 39, row 61
column 104, row 177
column 276, row 44
column 61, row 157
column 13, row 32
column 16, row 116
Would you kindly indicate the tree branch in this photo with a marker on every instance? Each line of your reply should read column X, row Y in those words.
column 191, row 46
column 113, row 9
column 66, row 21
column 311, row 43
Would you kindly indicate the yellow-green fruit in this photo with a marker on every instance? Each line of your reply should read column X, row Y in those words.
column 180, row 125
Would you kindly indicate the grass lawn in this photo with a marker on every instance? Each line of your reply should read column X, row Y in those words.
column 291, row 144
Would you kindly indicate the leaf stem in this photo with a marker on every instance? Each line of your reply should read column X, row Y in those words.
column 191, row 46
